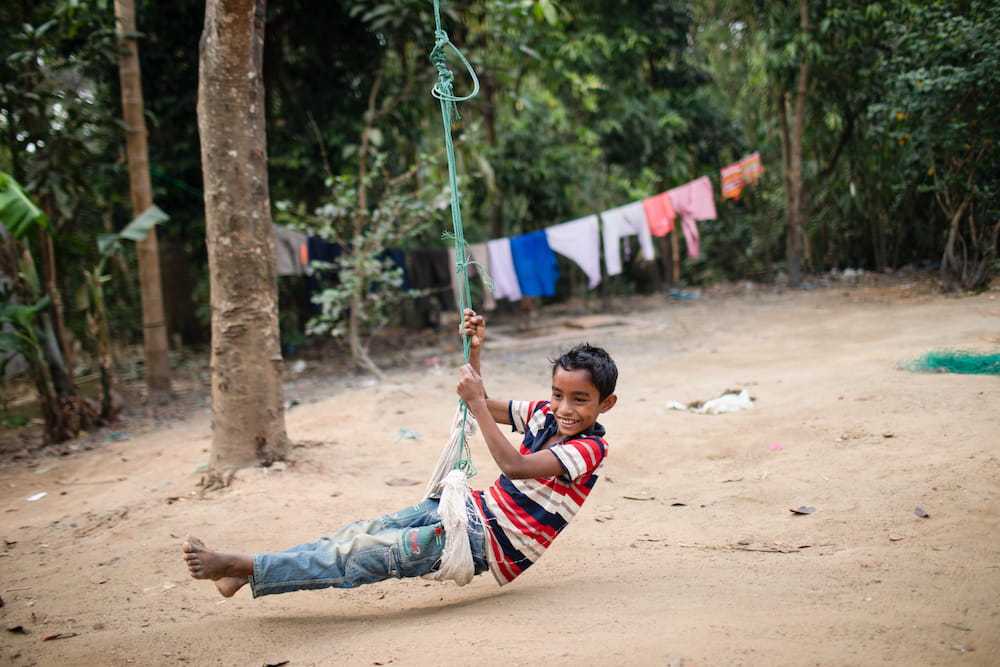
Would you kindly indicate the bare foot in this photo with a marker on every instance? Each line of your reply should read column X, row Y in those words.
column 229, row 585
column 229, row 571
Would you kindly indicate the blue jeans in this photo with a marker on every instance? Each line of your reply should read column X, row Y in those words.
column 407, row 543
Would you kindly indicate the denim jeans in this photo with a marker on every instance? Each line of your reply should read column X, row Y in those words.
column 407, row 543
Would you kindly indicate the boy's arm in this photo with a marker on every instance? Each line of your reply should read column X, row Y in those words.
column 475, row 329
column 510, row 461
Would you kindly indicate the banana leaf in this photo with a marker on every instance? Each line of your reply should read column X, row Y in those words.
column 17, row 212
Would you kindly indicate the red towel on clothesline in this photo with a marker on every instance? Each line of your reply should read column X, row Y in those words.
column 659, row 214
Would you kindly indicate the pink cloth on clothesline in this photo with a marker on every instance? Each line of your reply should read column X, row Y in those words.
column 693, row 201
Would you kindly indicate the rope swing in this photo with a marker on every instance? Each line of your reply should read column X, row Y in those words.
column 443, row 91
column 454, row 467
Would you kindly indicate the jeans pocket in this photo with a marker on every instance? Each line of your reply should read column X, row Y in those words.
column 419, row 550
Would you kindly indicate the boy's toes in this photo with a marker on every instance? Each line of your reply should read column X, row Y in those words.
column 192, row 544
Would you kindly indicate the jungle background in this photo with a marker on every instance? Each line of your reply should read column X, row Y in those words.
column 876, row 125
column 848, row 518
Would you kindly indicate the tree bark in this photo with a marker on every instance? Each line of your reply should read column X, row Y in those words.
column 154, row 326
column 794, row 195
column 248, row 424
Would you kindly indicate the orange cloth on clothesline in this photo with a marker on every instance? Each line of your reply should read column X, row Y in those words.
column 732, row 180
column 752, row 168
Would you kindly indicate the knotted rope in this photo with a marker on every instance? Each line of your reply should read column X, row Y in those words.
column 454, row 466
column 443, row 91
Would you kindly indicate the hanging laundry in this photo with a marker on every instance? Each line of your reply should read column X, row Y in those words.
column 502, row 271
column 659, row 214
column 430, row 272
column 621, row 222
column 536, row 265
column 580, row 241
column 693, row 201
column 291, row 251
column 478, row 254
column 752, row 167
column 732, row 181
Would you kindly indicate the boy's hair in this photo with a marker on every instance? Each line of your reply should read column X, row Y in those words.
column 603, row 371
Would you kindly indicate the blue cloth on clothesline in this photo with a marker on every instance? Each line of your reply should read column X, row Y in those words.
column 536, row 265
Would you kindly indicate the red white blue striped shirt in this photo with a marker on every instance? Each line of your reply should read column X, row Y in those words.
column 524, row 516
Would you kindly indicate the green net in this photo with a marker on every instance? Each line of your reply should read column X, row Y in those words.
column 956, row 361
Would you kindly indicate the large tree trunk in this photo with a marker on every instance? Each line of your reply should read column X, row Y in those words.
column 154, row 326
column 247, row 395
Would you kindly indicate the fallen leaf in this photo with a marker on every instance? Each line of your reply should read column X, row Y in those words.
column 58, row 635
column 276, row 664
column 402, row 481
column 957, row 627
column 919, row 511
column 802, row 510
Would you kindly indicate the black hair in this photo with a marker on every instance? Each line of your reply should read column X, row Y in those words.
column 603, row 371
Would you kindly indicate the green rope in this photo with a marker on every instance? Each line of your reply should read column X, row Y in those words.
column 444, row 92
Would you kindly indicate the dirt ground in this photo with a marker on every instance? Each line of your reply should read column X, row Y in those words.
column 686, row 553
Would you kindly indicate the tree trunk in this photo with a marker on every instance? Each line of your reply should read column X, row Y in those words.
column 154, row 326
column 794, row 195
column 61, row 363
column 247, row 395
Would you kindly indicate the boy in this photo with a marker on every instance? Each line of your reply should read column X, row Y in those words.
column 541, row 486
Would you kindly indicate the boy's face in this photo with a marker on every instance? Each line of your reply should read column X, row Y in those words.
column 575, row 402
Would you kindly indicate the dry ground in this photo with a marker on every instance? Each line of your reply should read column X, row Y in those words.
column 685, row 554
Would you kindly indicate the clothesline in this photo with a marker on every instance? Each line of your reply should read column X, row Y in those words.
column 526, row 264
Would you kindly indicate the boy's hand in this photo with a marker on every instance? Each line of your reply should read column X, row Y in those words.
column 470, row 385
column 474, row 326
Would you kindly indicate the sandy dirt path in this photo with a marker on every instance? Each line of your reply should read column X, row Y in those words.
column 685, row 554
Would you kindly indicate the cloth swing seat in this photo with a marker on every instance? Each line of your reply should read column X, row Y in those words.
column 449, row 484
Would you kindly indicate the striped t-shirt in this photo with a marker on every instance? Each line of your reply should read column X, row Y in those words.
column 524, row 516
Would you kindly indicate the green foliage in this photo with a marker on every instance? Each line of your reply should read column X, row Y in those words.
column 942, row 87
column 364, row 285
column 54, row 109
column 17, row 212
column 585, row 105
column 58, row 116
column 90, row 295
column 21, row 333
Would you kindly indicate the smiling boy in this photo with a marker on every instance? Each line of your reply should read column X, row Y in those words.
column 545, row 482
column 542, row 486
